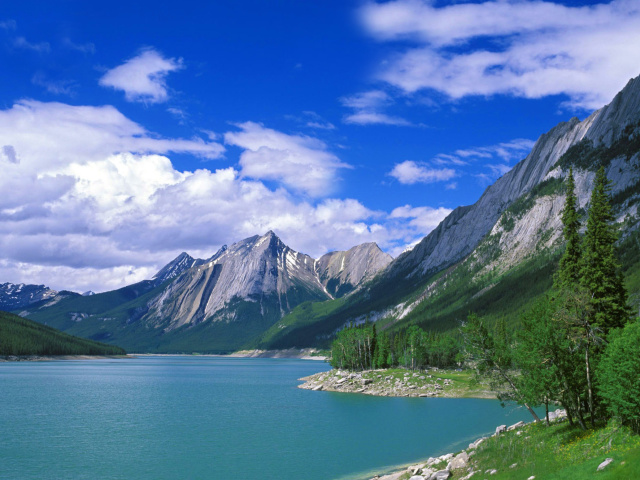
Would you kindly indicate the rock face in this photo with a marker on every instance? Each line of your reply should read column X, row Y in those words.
column 342, row 272
column 14, row 296
column 261, row 270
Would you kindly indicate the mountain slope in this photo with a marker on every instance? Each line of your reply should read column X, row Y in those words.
column 19, row 336
column 499, row 253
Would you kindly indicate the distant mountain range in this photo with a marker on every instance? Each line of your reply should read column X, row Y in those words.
column 217, row 304
column 494, row 257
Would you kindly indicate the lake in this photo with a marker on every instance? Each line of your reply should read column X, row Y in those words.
column 198, row 417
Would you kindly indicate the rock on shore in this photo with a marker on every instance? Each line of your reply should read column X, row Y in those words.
column 442, row 467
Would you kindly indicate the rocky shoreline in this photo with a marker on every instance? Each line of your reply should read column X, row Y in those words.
column 461, row 465
column 395, row 383
column 299, row 353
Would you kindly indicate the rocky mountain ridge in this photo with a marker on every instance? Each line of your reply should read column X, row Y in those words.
column 243, row 288
column 13, row 296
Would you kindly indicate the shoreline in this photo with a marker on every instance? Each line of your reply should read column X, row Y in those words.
column 298, row 353
column 50, row 358
column 434, row 383
column 462, row 462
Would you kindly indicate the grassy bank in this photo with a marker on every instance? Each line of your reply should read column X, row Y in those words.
column 559, row 452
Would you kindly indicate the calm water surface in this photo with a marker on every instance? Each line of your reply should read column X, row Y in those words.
column 216, row 418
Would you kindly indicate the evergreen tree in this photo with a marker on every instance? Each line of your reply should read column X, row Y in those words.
column 599, row 267
column 569, row 272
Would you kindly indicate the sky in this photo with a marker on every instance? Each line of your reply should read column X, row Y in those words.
column 133, row 131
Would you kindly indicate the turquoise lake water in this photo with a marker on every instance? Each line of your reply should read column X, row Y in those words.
column 216, row 418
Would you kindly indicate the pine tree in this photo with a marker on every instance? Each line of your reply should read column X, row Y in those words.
column 599, row 267
column 569, row 272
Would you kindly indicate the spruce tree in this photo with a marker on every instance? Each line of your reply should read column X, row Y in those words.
column 569, row 272
column 599, row 266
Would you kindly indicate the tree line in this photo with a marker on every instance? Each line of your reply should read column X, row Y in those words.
column 579, row 346
column 362, row 348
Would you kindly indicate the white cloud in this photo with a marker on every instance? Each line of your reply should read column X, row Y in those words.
column 410, row 172
column 79, row 47
column 367, row 109
column 426, row 218
column 49, row 134
column 57, row 87
column 143, row 78
column 515, row 149
column 529, row 49
column 301, row 163
column 21, row 42
column 8, row 24
column 96, row 204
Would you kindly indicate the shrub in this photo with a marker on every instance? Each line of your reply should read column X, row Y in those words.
column 619, row 375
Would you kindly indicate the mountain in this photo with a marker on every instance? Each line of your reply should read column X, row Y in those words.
column 14, row 296
column 497, row 255
column 342, row 272
column 218, row 304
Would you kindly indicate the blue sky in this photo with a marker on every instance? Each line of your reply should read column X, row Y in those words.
column 132, row 131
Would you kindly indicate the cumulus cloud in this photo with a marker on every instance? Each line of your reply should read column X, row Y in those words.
column 143, row 78
column 48, row 134
column 426, row 218
column 525, row 49
column 302, row 163
column 368, row 109
column 410, row 172
column 96, row 203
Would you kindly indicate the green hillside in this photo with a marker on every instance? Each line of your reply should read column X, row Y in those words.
column 19, row 336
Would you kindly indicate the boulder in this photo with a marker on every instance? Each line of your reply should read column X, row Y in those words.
column 440, row 475
column 501, row 429
column 366, row 381
column 317, row 387
column 477, row 443
column 459, row 461
column 416, row 477
column 446, row 457
column 604, row 464
column 515, row 425
column 491, row 471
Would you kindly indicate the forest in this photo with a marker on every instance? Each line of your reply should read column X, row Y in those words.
column 20, row 337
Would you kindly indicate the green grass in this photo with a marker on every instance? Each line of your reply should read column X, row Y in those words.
column 560, row 452
column 21, row 337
